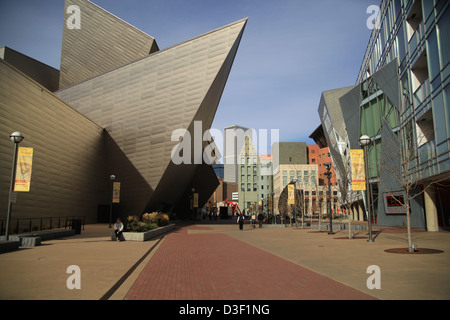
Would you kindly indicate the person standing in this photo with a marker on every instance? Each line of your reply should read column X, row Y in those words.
column 260, row 219
column 240, row 220
column 253, row 220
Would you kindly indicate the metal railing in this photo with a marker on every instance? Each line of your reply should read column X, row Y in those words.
column 25, row 225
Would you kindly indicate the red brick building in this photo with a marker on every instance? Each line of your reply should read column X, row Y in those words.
column 321, row 156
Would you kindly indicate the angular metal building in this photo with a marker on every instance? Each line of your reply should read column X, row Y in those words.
column 119, row 102
column 401, row 101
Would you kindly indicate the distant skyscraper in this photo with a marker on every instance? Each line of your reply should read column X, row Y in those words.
column 234, row 139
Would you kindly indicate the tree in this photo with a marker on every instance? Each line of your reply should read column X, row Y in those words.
column 347, row 195
column 406, row 160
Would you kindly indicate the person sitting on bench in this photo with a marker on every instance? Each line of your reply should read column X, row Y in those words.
column 118, row 229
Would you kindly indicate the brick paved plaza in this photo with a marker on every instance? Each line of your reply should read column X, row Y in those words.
column 220, row 262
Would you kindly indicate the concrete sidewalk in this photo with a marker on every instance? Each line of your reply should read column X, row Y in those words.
column 40, row 272
column 298, row 264
column 403, row 276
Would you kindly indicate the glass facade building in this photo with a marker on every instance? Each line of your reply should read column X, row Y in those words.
column 400, row 100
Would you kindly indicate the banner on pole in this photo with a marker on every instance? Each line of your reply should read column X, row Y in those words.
column 358, row 172
column 23, row 169
column 291, row 194
column 195, row 200
column 116, row 192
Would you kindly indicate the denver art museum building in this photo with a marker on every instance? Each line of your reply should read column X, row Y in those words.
column 111, row 109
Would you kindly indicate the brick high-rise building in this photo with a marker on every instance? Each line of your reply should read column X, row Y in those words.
column 321, row 157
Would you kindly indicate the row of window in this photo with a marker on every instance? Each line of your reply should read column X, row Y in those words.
column 255, row 187
column 299, row 173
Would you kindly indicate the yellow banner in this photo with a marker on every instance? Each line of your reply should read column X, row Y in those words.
column 291, row 194
column 116, row 192
column 195, row 200
column 358, row 172
column 23, row 169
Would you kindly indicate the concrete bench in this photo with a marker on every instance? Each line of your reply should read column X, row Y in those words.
column 33, row 239
column 25, row 241
column 7, row 246
column 326, row 226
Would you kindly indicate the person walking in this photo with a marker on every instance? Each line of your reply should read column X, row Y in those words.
column 260, row 219
column 240, row 220
column 253, row 220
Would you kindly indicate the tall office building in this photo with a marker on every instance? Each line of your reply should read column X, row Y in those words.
column 401, row 101
column 248, row 180
column 234, row 139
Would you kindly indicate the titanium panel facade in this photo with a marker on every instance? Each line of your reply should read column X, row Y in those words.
column 102, row 43
column 68, row 174
column 141, row 103
column 38, row 71
column 350, row 103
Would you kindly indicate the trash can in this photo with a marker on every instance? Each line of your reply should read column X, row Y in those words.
column 76, row 225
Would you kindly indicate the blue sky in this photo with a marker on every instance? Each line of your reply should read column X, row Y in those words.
column 292, row 50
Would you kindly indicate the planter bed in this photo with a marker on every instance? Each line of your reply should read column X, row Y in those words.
column 144, row 236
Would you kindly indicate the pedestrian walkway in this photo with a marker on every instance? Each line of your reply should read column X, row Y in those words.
column 191, row 265
column 218, row 261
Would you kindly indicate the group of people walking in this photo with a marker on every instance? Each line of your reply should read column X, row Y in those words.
column 241, row 220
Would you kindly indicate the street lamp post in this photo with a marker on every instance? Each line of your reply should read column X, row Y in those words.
column 365, row 141
column 193, row 206
column 17, row 138
column 111, row 178
column 294, row 182
column 273, row 208
column 328, row 174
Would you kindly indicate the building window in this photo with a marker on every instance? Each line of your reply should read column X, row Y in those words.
column 249, row 187
column 262, row 177
column 284, row 172
column 290, row 159
column 255, row 187
column 313, row 160
column 242, row 160
column 262, row 187
column 285, row 181
column 334, row 193
column 243, row 187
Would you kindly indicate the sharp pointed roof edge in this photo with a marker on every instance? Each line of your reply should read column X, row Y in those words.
column 119, row 19
column 159, row 52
